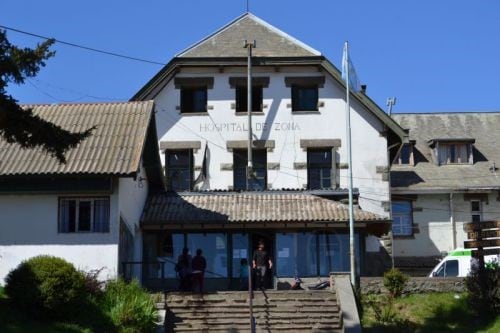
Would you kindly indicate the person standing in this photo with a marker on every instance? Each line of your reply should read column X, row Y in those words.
column 183, row 267
column 244, row 274
column 199, row 265
column 261, row 264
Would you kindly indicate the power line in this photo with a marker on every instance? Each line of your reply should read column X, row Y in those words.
column 114, row 54
column 60, row 100
column 73, row 91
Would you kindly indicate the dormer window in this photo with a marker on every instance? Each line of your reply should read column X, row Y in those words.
column 405, row 156
column 452, row 151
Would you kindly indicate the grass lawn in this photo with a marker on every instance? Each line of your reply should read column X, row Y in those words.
column 436, row 312
column 14, row 321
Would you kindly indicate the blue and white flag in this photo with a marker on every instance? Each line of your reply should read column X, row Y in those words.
column 348, row 67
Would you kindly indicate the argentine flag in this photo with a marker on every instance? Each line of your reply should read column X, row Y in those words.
column 348, row 71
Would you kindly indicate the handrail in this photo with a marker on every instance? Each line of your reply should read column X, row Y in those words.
column 162, row 262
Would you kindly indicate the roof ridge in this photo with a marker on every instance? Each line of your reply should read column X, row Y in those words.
column 85, row 103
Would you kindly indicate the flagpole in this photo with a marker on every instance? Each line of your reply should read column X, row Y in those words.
column 249, row 46
column 349, row 150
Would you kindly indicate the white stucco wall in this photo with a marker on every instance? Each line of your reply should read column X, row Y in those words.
column 132, row 195
column 278, row 123
column 28, row 227
column 435, row 234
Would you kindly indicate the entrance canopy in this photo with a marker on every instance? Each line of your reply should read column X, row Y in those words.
column 252, row 209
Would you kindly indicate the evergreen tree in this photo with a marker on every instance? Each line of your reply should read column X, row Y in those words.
column 20, row 125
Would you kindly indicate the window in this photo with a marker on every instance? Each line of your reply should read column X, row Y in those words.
column 454, row 153
column 179, row 169
column 84, row 215
column 449, row 268
column 405, row 156
column 319, row 169
column 161, row 248
column 305, row 91
column 296, row 254
column 241, row 98
column 240, row 251
column 258, row 178
column 304, row 97
column 334, row 253
column 476, row 210
column 193, row 99
column 402, row 220
column 215, row 251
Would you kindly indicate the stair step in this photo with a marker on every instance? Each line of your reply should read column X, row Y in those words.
column 275, row 328
column 239, row 329
column 274, row 311
column 260, row 323
column 295, row 318
column 310, row 313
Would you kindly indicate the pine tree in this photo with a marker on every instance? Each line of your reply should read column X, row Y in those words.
column 19, row 125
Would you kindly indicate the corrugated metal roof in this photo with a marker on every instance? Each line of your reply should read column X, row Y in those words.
column 426, row 174
column 115, row 147
column 248, row 207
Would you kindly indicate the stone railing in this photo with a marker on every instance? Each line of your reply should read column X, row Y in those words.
column 415, row 285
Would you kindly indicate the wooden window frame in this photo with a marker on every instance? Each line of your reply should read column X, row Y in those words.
column 92, row 222
column 401, row 232
column 189, row 102
column 332, row 176
column 476, row 215
column 190, row 166
column 242, row 153
column 241, row 98
column 296, row 100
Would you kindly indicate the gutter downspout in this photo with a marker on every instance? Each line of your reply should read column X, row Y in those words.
column 453, row 224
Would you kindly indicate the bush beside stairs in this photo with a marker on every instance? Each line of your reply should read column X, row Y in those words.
column 273, row 310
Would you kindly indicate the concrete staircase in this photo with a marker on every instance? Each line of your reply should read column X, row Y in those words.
column 273, row 310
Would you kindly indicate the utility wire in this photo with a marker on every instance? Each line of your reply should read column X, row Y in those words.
column 76, row 92
column 84, row 47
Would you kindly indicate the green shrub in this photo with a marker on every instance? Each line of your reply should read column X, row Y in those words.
column 395, row 281
column 130, row 307
column 484, row 295
column 383, row 309
column 93, row 286
column 47, row 286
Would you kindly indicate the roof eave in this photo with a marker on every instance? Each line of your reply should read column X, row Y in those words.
column 443, row 190
column 369, row 104
column 150, row 89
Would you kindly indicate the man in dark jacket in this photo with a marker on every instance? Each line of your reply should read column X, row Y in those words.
column 261, row 264
column 183, row 268
column 199, row 264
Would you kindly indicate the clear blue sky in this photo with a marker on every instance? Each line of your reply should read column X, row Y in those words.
column 432, row 55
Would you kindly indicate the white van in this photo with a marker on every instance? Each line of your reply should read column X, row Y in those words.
column 458, row 263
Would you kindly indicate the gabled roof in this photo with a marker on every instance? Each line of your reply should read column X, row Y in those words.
column 229, row 41
column 481, row 129
column 173, row 208
column 114, row 148
column 274, row 48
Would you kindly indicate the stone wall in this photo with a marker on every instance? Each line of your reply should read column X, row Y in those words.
column 415, row 285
